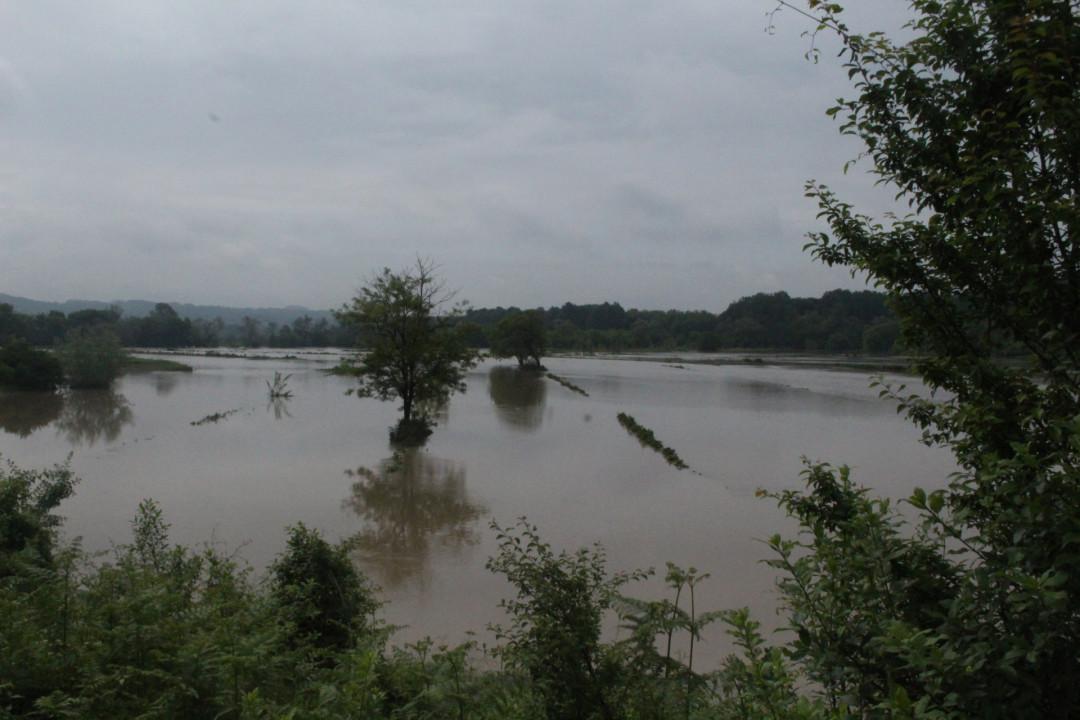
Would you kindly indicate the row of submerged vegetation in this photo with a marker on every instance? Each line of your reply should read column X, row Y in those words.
column 648, row 438
column 964, row 605
column 567, row 384
column 215, row 417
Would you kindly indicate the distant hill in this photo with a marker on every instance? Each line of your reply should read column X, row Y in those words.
column 141, row 308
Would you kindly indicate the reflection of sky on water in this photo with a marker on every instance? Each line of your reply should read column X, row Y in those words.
column 519, row 396
column 411, row 503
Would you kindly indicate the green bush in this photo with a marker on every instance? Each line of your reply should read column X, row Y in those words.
column 24, row 368
column 554, row 634
column 28, row 525
column 327, row 602
column 91, row 357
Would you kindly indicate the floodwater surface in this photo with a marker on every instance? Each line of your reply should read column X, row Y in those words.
column 516, row 444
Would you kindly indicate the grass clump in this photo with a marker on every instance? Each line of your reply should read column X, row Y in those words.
column 215, row 417
column 646, row 437
column 279, row 388
column 567, row 384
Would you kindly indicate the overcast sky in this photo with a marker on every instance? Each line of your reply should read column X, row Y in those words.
column 272, row 152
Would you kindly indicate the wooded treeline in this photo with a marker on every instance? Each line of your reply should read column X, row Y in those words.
column 165, row 328
column 840, row 321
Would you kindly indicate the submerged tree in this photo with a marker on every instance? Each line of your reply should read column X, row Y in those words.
column 415, row 352
column 975, row 122
column 91, row 357
column 521, row 336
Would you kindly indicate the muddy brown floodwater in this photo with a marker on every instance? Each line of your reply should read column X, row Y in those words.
column 515, row 444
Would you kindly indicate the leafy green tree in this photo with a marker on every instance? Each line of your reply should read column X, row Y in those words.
column 82, row 319
column 24, row 368
column 522, row 336
column 28, row 525
column 91, row 357
column 413, row 352
column 880, row 338
column 975, row 611
column 251, row 332
column 164, row 328
column 12, row 325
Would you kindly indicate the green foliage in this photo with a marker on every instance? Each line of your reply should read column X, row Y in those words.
column 854, row 579
column 24, row 368
column 555, row 623
column 413, row 353
column 157, row 632
column 658, row 685
column 327, row 602
column 646, row 437
column 567, row 384
column 835, row 322
column 28, row 525
column 554, row 631
column 973, row 612
column 91, row 357
column 214, row 417
column 521, row 336
column 760, row 682
column 881, row 338
column 163, row 328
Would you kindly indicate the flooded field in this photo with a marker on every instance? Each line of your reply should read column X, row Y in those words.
column 514, row 445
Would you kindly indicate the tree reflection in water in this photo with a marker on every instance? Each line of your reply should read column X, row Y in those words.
column 164, row 383
column 21, row 413
column 92, row 415
column 519, row 396
column 412, row 503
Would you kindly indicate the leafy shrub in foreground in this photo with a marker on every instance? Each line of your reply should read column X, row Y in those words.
column 28, row 525
column 326, row 600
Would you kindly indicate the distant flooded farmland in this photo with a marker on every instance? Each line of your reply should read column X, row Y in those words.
column 516, row 444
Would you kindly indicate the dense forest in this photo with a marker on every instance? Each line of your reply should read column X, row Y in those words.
column 840, row 321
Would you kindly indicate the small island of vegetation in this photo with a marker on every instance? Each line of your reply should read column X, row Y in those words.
column 648, row 438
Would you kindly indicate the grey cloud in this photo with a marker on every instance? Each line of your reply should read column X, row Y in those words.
column 270, row 152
